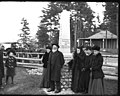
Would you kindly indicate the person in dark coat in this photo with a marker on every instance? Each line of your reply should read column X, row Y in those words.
column 78, row 61
column 1, row 66
column 10, row 65
column 44, row 82
column 85, row 71
column 55, row 63
column 96, row 85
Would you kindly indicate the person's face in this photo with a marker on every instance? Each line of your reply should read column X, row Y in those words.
column 11, row 54
column 95, row 52
column 88, row 52
column 54, row 48
column 48, row 50
column 78, row 51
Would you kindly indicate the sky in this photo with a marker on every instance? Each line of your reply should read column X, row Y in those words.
column 11, row 14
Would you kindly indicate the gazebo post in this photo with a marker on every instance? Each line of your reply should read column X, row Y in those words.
column 103, row 43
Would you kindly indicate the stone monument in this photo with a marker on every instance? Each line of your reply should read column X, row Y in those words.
column 64, row 36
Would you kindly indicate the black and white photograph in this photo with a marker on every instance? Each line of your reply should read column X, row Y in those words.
column 59, row 48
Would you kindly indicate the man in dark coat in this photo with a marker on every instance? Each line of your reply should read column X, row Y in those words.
column 1, row 66
column 55, row 63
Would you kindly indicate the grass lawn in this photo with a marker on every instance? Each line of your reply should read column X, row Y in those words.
column 29, row 84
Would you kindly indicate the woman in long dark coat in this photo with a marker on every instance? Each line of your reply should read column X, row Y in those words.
column 85, row 74
column 78, row 61
column 44, row 83
column 96, row 85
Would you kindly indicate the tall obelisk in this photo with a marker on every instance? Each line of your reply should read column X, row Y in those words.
column 64, row 36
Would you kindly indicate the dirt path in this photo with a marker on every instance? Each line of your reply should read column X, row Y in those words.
column 23, row 84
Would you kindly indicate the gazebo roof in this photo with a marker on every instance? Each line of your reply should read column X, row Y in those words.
column 102, row 35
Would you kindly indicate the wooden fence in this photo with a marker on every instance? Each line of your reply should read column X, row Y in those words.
column 34, row 60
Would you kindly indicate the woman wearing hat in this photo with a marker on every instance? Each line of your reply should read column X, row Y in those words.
column 78, row 61
column 96, row 85
column 55, row 63
column 44, row 82
column 85, row 71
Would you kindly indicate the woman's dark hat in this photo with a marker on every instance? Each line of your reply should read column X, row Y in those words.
column 88, row 48
column 56, row 45
column 48, row 47
column 96, row 47
column 11, row 50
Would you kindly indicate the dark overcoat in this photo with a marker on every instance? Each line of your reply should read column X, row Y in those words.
column 54, row 69
column 45, row 59
column 97, row 62
column 10, row 65
column 78, row 62
column 85, row 75
column 1, row 64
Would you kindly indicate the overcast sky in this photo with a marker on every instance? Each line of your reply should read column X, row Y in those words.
column 11, row 14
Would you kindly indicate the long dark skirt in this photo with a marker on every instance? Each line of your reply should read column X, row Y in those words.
column 96, row 87
column 84, row 81
column 10, row 72
column 44, row 82
column 75, row 80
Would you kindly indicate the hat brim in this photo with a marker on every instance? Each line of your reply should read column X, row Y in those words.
column 56, row 45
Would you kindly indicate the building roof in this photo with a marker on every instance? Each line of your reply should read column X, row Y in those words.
column 102, row 35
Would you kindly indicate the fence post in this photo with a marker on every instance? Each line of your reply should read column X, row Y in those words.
column 106, row 60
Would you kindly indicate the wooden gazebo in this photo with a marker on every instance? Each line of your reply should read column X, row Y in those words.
column 105, row 39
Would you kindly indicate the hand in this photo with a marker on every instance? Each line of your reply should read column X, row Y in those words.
column 90, row 68
column 83, row 69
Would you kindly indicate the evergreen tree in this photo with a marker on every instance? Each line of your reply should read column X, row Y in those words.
column 111, row 16
column 42, row 36
column 24, row 36
column 83, row 14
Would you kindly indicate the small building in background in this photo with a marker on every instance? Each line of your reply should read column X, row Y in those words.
column 104, row 39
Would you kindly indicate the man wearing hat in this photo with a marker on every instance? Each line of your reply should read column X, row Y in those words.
column 55, row 63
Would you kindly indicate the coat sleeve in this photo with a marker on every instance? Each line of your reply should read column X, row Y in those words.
column 70, row 63
column 99, row 64
column 43, row 59
column 62, row 59
column 15, row 62
column 6, row 63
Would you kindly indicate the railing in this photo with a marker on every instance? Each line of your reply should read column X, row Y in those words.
column 34, row 60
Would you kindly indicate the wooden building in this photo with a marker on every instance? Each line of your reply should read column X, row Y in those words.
column 104, row 39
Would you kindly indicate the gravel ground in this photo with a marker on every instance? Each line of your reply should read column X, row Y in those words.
column 29, row 84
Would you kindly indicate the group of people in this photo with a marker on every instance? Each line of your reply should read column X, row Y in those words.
column 87, row 73
column 86, row 66
column 8, row 66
